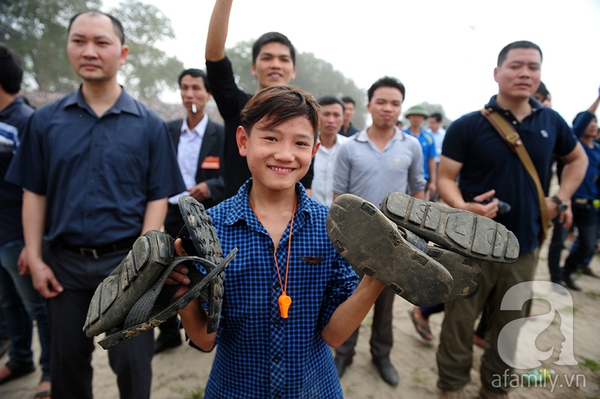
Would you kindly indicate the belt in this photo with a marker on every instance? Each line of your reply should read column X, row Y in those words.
column 584, row 201
column 97, row 252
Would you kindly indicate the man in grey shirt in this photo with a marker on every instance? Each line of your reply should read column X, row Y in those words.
column 374, row 162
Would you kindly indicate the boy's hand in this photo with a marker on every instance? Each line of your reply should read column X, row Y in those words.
column 179, row 273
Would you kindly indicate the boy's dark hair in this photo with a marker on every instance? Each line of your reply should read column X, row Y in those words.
column 386, row 81
column 328, row 100
column 277, row 104
column 437, row 116
column 11, row 71
column 271, row 37
column 117, row 25
column 195, row 73
column 543, row 91
column 519, row 44
column 348, row 99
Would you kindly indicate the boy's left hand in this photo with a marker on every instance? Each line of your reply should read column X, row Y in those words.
column 179, row 273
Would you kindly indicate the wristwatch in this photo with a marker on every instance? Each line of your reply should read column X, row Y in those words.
column 562, row 205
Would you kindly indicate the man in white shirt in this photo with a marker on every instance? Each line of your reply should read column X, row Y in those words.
column 199, row 145
column 332, row 114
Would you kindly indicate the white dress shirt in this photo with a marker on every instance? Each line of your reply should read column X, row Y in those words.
column 188, row 152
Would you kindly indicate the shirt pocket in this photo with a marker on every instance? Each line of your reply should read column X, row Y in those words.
column 126, row 165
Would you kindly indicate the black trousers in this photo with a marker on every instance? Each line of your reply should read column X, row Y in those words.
column 71, row 355
column 382, row 336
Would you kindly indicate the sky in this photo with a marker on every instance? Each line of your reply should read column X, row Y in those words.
column 444, row 51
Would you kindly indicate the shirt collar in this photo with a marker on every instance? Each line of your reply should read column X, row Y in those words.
column 536, row 106
column 125, row 103
column 242, row 211
column 17, row 102
column 363, row 137
column 199, row 129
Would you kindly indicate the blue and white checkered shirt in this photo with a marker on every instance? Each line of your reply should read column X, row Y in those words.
column 259, row 354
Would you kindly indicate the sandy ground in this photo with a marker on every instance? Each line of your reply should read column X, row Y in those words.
column 182, row 370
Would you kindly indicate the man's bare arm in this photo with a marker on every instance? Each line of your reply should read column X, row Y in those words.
column 34, row 214
column 154, row 217
column 450, row 193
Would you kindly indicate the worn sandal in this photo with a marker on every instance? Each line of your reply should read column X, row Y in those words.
column 154, row 303
column 138, row 271
column 370, row 242
column 465, row 271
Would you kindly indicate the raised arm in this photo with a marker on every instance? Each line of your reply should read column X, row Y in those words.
column 217, row 31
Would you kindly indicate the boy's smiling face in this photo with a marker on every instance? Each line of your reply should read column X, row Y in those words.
column 280, row 156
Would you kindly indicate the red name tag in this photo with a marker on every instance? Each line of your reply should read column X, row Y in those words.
column 211, row 162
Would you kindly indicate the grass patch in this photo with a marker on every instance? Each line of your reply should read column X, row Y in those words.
column 593, row 294
column 196, row 392
column 590, row 364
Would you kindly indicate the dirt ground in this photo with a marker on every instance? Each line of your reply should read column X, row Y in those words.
column 181, row 371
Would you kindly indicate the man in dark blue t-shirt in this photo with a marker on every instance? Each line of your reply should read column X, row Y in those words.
column 490, row 171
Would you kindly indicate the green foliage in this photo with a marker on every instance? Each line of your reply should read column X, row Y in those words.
column 37, row 30
column 590, row 364
column 314, row 75
column 196, row 392
column 148, row 71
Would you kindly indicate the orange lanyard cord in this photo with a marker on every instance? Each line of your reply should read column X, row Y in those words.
column 287, row 262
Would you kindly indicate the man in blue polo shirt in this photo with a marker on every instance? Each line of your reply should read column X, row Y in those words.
column 97, row 168
column 19, row 300
column 416, row 115
column 584, row 204
column 490, row 170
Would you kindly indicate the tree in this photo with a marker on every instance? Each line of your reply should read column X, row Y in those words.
column 37, row 30
column 314, row 75
column 148, row 70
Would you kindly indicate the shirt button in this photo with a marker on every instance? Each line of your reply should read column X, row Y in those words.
column 270, row 247
column 276, row 359
column 276, row 323
column 514, row 122
column 277, row 396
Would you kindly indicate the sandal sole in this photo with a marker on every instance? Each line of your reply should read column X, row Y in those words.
column 461, row 231
column 207, row 244
column 370, row 242
column 465, row 272
column 117, row 294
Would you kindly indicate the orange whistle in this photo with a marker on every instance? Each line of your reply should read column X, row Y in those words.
column 284, row 304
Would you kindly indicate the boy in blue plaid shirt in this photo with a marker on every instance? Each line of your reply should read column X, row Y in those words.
column 267, row 346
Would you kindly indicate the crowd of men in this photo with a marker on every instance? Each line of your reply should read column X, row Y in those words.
column 84, row 176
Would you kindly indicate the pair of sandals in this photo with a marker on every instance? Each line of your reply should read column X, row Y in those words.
column 134, row 298
column 391, row 245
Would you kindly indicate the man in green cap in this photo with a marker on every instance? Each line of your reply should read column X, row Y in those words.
column 416, row 115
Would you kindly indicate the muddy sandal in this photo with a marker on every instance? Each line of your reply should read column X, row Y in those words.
column 461, row 231
column 370, row 242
